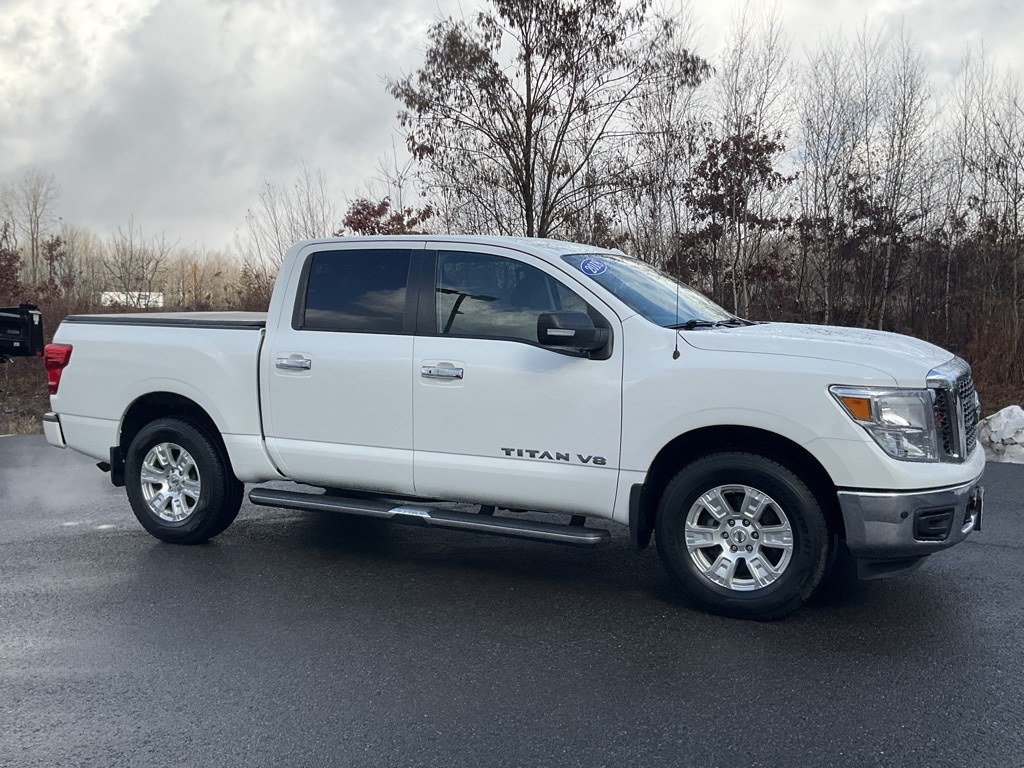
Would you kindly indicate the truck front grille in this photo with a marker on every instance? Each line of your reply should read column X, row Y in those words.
column 956, row 408
column 944, row 420
column 969, row 402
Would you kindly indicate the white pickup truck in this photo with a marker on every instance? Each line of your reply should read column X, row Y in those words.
column 519, row 375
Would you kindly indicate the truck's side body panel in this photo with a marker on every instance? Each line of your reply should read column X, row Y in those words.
column 215, row 367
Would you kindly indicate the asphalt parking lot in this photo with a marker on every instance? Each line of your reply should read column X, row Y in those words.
column 300, row 639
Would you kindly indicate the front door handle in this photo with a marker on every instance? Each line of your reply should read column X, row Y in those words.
column 294, row 363
column 440, row 372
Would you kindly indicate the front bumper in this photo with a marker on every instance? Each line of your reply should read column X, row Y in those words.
column 904, row 525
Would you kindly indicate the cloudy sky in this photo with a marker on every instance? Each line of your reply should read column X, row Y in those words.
column 175, row 111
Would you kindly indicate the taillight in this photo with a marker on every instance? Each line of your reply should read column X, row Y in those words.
column 55, row 358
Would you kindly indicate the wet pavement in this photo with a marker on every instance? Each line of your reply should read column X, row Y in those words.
column 309, row 639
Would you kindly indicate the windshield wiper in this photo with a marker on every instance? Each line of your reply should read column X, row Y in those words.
column 689, row 325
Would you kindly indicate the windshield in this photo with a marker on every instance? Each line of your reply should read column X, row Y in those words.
column 649, row 291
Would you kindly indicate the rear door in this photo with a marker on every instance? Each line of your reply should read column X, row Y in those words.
column 336, row 386
column 499, row 418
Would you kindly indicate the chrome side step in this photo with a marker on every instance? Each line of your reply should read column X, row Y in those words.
column 415, row 514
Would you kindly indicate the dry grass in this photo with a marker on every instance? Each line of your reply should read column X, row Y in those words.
column 23, row 397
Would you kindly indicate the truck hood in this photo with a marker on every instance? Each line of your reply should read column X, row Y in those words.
column 906, row 359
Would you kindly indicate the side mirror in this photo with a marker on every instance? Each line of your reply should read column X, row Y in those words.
column 570, row 330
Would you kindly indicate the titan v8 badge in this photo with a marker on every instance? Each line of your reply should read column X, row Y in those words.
column 556, row 456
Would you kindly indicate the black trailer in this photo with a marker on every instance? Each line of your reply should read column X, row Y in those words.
column 21, row 332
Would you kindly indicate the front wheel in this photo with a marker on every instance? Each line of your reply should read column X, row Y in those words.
column 742, row 536
column 180, row 483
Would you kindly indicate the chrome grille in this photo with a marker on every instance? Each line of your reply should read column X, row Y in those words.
column 956, row 408
column 969, row 402
column 944, row 420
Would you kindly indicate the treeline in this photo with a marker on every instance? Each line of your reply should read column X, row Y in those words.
column 66, row 268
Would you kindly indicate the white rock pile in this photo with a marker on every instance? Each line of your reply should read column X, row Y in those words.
column 1002, row 435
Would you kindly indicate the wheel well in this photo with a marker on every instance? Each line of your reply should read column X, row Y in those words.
column 157, row 405
column 702, row 442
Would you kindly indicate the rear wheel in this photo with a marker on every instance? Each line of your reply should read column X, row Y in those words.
column 180, row 483
column 742, row 536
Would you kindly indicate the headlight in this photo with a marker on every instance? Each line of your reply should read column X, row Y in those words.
column 902, row 421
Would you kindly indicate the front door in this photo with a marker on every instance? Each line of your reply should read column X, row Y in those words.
column 498, row 418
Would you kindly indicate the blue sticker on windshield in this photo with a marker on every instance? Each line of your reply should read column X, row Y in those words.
column 593, row 267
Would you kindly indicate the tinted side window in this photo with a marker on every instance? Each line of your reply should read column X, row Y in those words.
column 361, row 291
column 494, row 297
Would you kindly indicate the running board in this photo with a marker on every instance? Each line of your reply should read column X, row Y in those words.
column 430, row 517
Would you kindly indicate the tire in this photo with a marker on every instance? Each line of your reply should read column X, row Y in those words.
column 180, row 483
column 714, row 522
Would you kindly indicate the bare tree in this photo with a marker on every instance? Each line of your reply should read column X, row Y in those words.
column 1005, row 147
column 79, row 271
column 134, row 264
column 951, row 155
column 659, row 154
column 827, row 136
column 30, row 208
column 394, row 180
column 10, row 267
column 753, row 89
column 282, row 216
column 200, row 279
column 907, row 115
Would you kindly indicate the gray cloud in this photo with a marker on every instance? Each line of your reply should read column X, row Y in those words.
column 203, row 100
column 176, row 110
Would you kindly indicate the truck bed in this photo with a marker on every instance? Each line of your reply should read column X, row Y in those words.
column 209, row 358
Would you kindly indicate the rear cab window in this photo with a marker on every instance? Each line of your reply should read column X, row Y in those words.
column 355, row 291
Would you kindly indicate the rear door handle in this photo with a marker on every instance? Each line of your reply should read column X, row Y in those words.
column 294, row 363
column 439, row 372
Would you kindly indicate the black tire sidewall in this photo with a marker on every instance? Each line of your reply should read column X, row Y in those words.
column 810, row 534
column 207, row 516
